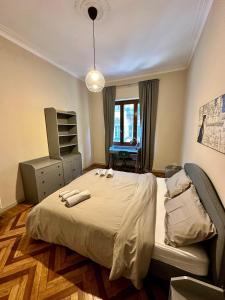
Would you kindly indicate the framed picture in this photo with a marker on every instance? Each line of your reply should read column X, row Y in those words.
column 211, row 125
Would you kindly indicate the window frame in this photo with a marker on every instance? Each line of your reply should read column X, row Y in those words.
column 121, row 103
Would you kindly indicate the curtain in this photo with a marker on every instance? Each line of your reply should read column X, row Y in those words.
column 148, row 93
column 109, row 96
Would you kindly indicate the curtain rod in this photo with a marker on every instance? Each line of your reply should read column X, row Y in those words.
column 128, row 84
column 121, row 84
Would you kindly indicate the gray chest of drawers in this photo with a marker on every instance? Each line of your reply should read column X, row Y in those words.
column 41, row 177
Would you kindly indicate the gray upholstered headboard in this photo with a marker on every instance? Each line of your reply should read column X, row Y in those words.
column 215, row 209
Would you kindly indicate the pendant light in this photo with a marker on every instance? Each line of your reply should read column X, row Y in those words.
column 94, row 80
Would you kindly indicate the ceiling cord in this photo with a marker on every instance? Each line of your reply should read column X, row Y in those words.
column 94, row 41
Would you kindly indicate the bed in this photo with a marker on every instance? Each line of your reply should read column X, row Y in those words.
column 100, row 227
column 192, row 259
column 108, row 227
column 208, row 262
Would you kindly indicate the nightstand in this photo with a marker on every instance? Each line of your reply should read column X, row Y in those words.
column 188, row 288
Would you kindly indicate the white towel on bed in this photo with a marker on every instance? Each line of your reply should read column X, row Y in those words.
column 69, row 194
column 61, row 194
column 102, row 172
column 109, row 173
column 97, row 172
column 73, row 200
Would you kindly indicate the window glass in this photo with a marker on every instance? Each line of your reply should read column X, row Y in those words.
column 127, row 127
column 138, row 124
column 128, row 123
column 116, row 137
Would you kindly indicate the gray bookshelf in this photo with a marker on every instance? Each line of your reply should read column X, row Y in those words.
column 61, row 129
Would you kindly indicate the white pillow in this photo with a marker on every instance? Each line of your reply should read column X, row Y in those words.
column 186, row 221
column 178, row 183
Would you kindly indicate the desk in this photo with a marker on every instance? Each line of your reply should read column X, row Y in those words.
column 129, row 149
column 124, row 153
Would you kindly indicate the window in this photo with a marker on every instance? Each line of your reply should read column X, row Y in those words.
column 127, row 129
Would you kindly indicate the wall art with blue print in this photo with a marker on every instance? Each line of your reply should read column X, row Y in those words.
column 212, row 124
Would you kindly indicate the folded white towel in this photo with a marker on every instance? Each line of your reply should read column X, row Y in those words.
column 102, row 172
column 63, row 193
column 73, row 200
column 97, row 172
column 69, row 194
column 109, row 173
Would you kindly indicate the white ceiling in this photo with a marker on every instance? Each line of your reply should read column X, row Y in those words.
column 134, row 37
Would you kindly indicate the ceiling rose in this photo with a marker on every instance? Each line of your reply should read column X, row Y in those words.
column 102, row 7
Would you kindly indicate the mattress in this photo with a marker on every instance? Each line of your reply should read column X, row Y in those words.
column 191, row 258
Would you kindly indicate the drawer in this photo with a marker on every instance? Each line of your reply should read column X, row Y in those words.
column 67, row 171
column 50, row 176
column 47, row 188
column 76, row 169
column 72, row 169
column 49, row 183
column 76, row 165
column 75, row 174
column 49, row 169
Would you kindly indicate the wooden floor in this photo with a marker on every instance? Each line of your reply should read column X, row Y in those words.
column 32, row 269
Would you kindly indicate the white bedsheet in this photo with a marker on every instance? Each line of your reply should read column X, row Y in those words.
column 192, row 258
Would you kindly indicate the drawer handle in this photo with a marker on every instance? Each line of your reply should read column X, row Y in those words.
column 59, row 174
column 58, row 166
column 43, row 181
column 42, row 172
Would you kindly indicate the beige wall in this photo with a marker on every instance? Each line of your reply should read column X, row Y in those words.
column 206, row 80
column 27, row 85
column 169, row 118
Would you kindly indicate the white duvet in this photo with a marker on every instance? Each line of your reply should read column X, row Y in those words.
column 115, row 227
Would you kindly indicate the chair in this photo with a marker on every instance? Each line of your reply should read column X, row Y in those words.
column 138, row 161
column 120, row 160
column 125, row 161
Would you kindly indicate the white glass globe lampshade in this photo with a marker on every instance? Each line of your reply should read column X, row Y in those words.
column 95, row 81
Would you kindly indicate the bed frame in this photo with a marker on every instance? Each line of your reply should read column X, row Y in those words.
column 216, row 246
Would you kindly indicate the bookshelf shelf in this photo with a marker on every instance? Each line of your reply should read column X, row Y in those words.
column 66, row 124
column 69, row 134
column 67, row 145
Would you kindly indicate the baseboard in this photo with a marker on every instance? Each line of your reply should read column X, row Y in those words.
column 94, row 166
column 2, row 210
column 99, row 164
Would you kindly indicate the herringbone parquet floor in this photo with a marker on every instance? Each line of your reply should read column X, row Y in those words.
column 31, row 269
